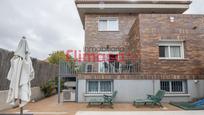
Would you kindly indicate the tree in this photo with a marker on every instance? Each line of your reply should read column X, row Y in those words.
column 56, row 56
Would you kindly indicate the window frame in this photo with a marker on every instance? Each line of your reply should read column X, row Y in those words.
column 184, row 86
column 107, row 19
column 107, row 53
column 170, row 44
column 99, row 87
column 86, row 70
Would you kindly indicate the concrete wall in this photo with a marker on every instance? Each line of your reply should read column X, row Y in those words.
column 36, row 95
column 129, row 90
column 81, row 90
column 196, row 90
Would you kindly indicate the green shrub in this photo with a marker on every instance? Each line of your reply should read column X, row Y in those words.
column 48, row 88
column 61, row 84
column 51, row 87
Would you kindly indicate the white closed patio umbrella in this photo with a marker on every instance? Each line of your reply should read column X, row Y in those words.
column 20, row 74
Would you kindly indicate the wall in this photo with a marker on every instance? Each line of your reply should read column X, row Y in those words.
column 36, row 95
column 95, row 38
column 81, row 90
column 155, row 27
column 43, row 70
column 144, row 35
column 196, row 89
column 134, row 45
column 129, row 90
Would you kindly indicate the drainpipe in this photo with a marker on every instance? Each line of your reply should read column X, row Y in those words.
column 59, row 89
column 197, row 85
column 153, row 86
column 76, row 90
column 59, row 84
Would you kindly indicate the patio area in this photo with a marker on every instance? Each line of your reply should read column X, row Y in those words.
column 49, row 106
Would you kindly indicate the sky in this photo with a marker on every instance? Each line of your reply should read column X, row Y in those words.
column 49, row 25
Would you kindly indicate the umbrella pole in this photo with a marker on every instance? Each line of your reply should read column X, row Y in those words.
column 59, row 89
column 21, row 108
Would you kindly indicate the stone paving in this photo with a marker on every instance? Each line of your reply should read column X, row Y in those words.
column 49, row 106
column 141, row 113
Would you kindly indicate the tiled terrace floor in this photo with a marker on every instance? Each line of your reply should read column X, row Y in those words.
column 49, row 106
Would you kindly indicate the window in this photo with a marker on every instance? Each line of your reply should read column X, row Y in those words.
column 179, row 86
column 108, row 24
column 99, row 86
column 105, row 86
column 93, row 86
column 89, row 68
column 171, row 50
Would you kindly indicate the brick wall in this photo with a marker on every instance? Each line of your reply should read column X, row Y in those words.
column 95, row 38
column 189, row 28
column 143, row 33
column 134, row 45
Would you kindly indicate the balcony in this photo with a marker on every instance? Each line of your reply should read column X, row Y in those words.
column 101, row 70
column 113, row 70
column 113, row 67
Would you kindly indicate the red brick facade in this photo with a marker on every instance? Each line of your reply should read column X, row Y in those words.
column 143, row 32
column 94, row 38
column 188, row 28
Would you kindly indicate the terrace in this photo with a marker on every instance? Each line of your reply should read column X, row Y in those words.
column 108, row 70
column 49, row 106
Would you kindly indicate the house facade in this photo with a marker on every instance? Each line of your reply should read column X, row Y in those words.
column 139, row 47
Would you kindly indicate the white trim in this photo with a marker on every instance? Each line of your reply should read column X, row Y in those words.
column 177, row 95
column 164, row 6
column 107, row 54
column 173, row 43
column 86, row 67
column 182, row 51
column 96, row 95
column 98, row 92
column 171, row 40
column 107, row 19
column 184, row 88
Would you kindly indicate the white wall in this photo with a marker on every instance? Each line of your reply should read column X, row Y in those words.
column 81, row 90
column 129, row 90
column 176, row 98
column 36, row 94
column 196, row 90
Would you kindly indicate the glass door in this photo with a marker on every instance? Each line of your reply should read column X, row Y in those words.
column 110, row 62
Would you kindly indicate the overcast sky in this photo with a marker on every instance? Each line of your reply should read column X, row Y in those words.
column 49, row 25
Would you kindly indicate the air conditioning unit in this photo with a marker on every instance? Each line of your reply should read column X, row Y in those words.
column 68, row 95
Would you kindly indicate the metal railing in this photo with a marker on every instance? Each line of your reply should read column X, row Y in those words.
column 107, row 67
column 66, row 69
column 69, row 69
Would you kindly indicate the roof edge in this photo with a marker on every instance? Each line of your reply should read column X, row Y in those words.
column 133, row 2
